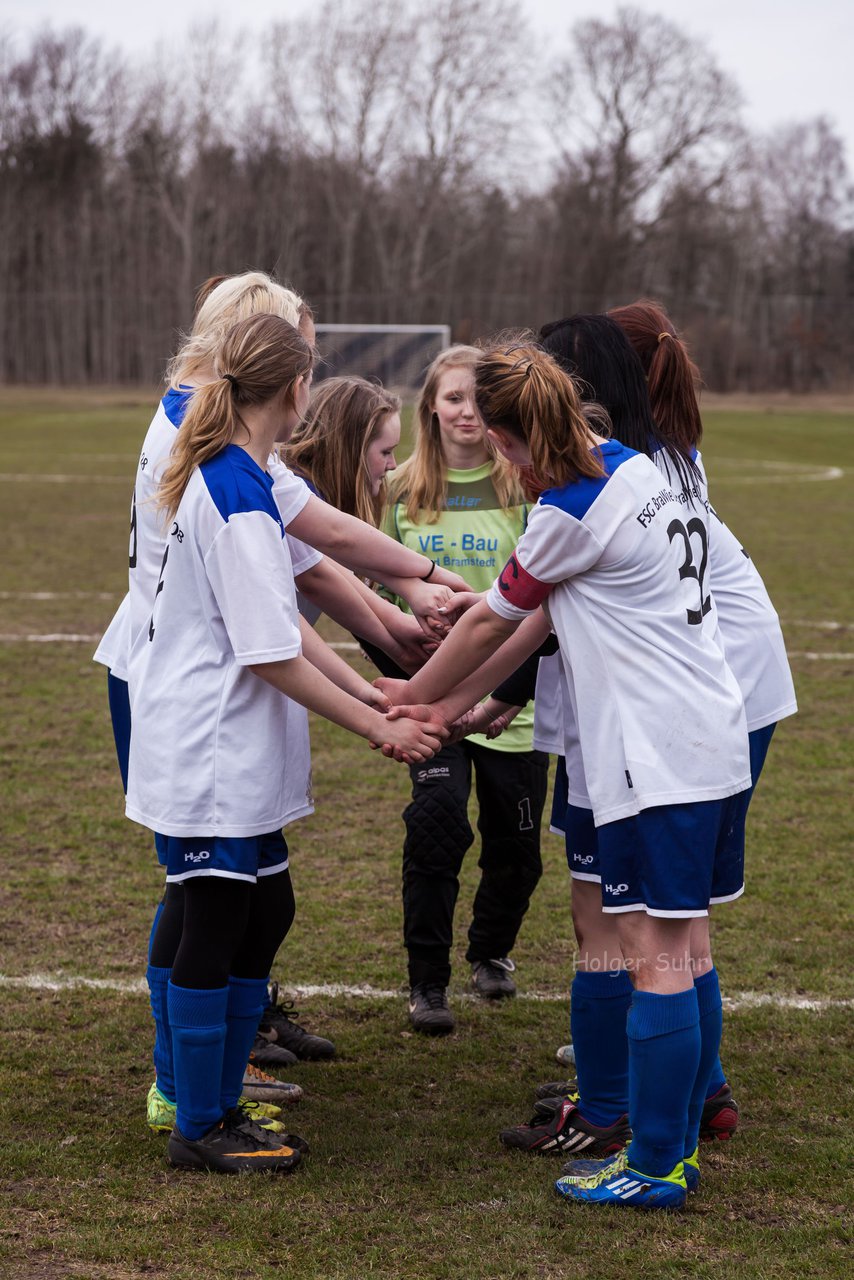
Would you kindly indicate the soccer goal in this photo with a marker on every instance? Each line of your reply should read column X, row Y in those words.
column 396, row 354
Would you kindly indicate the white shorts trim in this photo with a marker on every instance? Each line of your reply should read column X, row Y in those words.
column 274, row 871
column 654, row 911
column 210, row 871
column 729, row 897
column 557, row 831
column 585, row 875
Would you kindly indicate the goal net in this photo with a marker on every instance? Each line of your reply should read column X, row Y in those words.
column 396, row 354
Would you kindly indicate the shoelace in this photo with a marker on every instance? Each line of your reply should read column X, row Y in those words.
column 236, row 1123
column 613, row 1164
column 434, row 997
column 617, row 1165
column 284, row 1008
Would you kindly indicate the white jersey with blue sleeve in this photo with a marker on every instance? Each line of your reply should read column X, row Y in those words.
column 148, row 536
column 216, row 750
column 659, row 715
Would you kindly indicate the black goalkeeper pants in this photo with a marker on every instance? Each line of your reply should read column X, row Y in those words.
column 511, row 792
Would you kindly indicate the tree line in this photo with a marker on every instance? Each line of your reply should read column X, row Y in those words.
column 408, row 163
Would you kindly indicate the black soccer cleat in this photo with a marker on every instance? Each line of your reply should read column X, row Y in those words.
column 279, row 1027
column 428, row 1009
column 719, row 1120
column 557, row 1128
column 271, row 1056
column 557, row 1089
column 235, row 1145
column 491, row 978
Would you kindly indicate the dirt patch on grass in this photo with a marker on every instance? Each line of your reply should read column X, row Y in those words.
column 46, row 1266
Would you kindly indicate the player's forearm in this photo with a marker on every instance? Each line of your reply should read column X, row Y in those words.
column 326, row 660
column 303, row 682
column 472, row 641
column 346, row 600
column 529, row 636
column 355, row 544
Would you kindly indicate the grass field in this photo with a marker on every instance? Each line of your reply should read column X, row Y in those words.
column 407, row 1179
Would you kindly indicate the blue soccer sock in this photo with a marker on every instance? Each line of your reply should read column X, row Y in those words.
column 664, row 1050
column 197, row 1019
column 711, row 1025
column 600, row 1006
column 155, row 922
column 247, row 999
column 164, row 1067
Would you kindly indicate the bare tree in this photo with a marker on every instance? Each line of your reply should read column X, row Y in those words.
column 637, row 101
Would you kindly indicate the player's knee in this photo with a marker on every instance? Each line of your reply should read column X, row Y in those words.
column 438, row 832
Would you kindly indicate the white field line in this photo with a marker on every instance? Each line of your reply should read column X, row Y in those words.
column 52, row 638
column 809, row 623
column 336, row 990
column 73, row 637
column 87, row 457
column 818, row 626
column 822, row 657
column 38, row 477
column 773, row 472
column 58, row 595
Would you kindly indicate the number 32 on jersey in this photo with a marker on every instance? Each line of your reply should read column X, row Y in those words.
column 694, row 539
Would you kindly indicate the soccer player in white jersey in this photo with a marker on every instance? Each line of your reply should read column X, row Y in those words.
column 590, row 1117
column 220, row 303
column 748, row 625
column 660, row 722
column 209, row 760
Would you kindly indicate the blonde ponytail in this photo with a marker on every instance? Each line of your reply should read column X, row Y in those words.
column 259, row 358
column 209, row 425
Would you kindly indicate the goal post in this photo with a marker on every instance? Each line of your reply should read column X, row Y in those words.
column 396, row 354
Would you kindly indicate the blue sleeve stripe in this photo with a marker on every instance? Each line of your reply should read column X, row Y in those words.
column 175, row 404
column 236, row 484
column 577, row 498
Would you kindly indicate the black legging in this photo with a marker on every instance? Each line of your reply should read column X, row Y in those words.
column 212, row 927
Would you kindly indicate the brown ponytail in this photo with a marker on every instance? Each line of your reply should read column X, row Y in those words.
column 523, row 391
column 258, row 358
column 672, row 377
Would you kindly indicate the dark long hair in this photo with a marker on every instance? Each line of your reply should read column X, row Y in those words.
column 594, row 350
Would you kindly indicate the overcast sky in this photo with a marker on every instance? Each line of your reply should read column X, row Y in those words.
column 791, row 59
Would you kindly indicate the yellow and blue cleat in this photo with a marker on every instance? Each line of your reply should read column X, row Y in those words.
column 579, row 1170
column 616, row 1183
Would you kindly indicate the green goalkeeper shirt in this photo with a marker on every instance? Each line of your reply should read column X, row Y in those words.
column 474, row 537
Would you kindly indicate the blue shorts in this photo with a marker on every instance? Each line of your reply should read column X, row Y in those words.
column 117, row 694
column 669, row 860
column 119, row 700
column 560, row 798
column 674, row 860
column 582, row 843
column 232, row 857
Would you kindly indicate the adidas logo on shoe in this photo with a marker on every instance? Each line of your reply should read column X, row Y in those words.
column 558, row 1127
